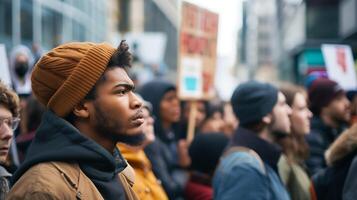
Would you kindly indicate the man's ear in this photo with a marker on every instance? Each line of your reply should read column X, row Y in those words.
column 81, row 110
column 267, row 118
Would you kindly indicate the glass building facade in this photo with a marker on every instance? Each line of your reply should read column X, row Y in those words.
column 52, row 22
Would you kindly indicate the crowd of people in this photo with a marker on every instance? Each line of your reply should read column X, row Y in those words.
column 75, row 126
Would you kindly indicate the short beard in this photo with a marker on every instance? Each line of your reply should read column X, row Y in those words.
column 340, row 121
column 276, row 133
column 111, row 130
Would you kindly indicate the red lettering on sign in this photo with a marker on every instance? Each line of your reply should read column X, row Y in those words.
column 341, row 59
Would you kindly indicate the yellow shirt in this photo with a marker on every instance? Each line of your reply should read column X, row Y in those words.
column 146, row 185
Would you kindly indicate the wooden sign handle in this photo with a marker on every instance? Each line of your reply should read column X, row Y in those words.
column 192, row 121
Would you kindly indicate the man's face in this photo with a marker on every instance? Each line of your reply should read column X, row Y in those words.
column 280, row 115
column 339, row 109
column 117, row 112
column 5, row 133
column 170, row 110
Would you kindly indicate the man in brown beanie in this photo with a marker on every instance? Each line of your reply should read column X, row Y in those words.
column 91, row 106
column 330, row 106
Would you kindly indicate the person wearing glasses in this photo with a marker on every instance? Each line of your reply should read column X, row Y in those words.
column 9, row 113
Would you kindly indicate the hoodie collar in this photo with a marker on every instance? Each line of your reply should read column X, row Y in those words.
column 58, row 140
column 268, row 152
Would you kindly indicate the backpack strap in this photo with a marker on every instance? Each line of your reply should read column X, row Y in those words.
column 234, row 149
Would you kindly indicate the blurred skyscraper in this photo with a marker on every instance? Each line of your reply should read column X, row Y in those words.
column 52, row 22
column 308, row 24
column 140, row 16
column 259, row 47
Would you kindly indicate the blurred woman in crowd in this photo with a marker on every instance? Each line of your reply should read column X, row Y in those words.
column 168, row 153
column 214, row 121
column 291, row 165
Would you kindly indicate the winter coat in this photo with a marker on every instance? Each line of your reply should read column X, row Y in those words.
column 320, row 138
column 296, row 180
column 146, row 184
column 349, row 189
column 330, row 182
column 199, row 187
column 249, row 174
column 57, row 141
column 344, row 149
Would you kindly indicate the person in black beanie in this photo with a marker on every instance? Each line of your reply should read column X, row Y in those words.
column 205, row 151
column 248, row 169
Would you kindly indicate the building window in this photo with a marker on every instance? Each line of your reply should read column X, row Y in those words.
column 5, row 18
column 51, row 28
column 124, row 15
column 79, row 33
column 26, row 21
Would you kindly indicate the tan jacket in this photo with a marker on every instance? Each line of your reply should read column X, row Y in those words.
column 60, row 181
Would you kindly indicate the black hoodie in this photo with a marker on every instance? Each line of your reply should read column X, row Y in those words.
column 162, row 153
column 57, row 140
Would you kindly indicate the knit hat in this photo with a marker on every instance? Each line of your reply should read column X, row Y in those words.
column 252, row 100
column 65, row 75
column 321, row 92
column 205, row 151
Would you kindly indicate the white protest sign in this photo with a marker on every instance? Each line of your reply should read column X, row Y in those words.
column 340, row 65
column 198, row 41
column 191, row 81
column 4, row 66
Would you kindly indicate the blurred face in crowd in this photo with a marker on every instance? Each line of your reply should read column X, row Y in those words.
column 148, row 126
column 338, row 110
column 281, row 116
column 21, row 65
column 200, row 114
column 300, row 115
column 116, row 112
column 170, row 108
column 6, row 132
column 215, row 123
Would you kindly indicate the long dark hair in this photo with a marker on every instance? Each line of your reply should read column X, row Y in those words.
column 294, row 145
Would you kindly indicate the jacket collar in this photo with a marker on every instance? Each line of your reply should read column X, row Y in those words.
column 268, row 152
column 329, row 132
column 77, row 180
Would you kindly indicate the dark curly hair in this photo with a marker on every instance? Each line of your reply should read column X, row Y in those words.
column 9, row 99
column 121, row 58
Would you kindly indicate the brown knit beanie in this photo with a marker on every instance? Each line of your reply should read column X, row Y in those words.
column 65, row 75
